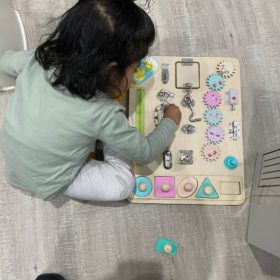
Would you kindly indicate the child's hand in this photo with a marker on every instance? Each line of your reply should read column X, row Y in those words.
column 173, row 112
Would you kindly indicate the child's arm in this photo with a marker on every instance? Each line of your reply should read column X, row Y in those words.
column 117, row 133
column 12, row 62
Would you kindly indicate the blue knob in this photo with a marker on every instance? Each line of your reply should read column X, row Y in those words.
column 230, row 162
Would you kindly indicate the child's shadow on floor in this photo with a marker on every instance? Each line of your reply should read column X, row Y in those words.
column 138, row 270
column 61, row 200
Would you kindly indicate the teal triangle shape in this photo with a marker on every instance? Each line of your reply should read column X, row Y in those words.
column 201, row 193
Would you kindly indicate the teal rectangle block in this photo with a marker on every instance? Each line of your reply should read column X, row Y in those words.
column 162, row 245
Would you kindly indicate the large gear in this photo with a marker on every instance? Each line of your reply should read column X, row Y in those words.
column 213, row 116
column 226, row 69
column 215, row 82
column 210, row 152
column 215, row 134
column 212, row 98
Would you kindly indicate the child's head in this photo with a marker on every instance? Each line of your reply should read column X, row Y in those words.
column 97, row 45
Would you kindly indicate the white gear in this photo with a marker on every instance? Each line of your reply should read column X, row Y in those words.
column 226, row 69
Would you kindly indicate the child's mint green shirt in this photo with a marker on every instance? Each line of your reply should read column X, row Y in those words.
column 48, row 134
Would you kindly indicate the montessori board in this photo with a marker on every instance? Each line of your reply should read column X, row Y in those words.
column 204, row 164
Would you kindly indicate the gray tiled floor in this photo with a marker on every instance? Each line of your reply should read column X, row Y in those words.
column 86, row 241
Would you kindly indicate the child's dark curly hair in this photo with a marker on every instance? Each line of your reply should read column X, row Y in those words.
column 89, row 36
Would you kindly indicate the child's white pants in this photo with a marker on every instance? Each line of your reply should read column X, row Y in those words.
column 108, row 180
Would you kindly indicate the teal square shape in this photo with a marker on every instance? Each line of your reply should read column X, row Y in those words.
column 161, row 243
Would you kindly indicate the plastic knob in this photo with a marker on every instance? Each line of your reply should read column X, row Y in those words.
column 188, row 187
column 167, row 248
column 142, row 187
column 208, row 190
column 231, row 163
column 165, row 188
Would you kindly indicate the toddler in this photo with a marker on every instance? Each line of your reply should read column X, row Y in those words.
column 65, row 99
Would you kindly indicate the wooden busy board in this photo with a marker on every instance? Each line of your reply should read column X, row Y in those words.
column 216, row 174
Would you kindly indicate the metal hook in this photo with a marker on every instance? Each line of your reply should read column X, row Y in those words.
column 190, row 102
column 188, row 88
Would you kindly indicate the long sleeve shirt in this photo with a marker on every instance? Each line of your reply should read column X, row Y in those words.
column 48, row 133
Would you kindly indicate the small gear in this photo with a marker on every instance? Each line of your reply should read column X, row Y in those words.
column 226, row 69
column 215, row 82
column 210, row 152
column 213, row 116
column 215, row 134
column 212, row 98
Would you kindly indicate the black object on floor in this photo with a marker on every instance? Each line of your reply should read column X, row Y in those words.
column 50, row 276
column 99, row 150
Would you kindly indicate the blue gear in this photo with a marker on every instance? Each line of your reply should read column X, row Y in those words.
column 216, row 82
column 213, row 116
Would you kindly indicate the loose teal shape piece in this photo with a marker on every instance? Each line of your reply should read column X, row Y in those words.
column 201, row 193
column 161, row 243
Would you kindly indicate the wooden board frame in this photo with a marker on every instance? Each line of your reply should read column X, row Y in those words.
column 200, row 169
